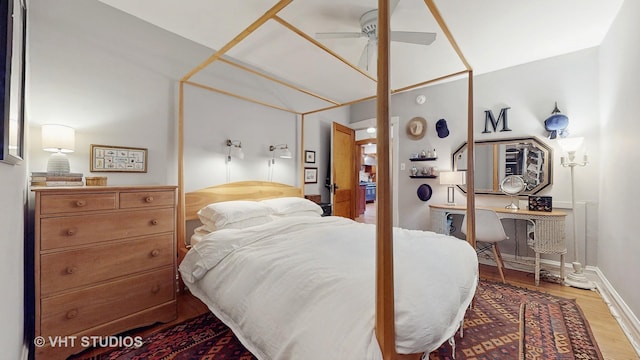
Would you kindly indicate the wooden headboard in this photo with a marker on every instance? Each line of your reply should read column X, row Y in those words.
column 242, row 190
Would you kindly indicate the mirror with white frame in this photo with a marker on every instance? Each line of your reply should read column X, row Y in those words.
column 495, row 159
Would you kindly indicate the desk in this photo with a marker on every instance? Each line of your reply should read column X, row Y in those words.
column 548, row 238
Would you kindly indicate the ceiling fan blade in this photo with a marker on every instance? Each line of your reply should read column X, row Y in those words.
column 368, row 54
column 339, row 35
column 420, row 38
column 392, row 5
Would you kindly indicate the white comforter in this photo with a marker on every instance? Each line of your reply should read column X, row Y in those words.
column 304, row 288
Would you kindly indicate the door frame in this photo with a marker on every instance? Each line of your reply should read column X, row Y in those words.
column 395, row 148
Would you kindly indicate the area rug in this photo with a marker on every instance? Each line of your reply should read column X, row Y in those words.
column 506, row 322
column 509, row 322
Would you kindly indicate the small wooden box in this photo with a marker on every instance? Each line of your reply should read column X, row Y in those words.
column 540, row 203
column 96, row 181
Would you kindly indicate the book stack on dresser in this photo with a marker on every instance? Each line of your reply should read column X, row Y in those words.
column 56, row 179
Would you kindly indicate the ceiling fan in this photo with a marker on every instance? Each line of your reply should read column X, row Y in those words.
column 369, row 24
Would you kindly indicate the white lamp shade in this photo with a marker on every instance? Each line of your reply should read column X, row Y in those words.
column 237, row 152
column 569, row 144
column 286, row 154
column 58, row 138
column 452, row 178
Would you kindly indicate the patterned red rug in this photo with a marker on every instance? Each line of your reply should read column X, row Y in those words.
column 507, row 322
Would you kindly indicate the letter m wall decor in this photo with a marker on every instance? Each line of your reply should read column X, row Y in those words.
column 490, row 120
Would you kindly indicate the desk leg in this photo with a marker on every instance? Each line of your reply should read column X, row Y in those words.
column 537, row 268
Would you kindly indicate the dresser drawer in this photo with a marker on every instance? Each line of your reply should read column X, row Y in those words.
column 74, row 203
column 57, row 232
column 70, row 269
column 75, row 311
column 146, row 199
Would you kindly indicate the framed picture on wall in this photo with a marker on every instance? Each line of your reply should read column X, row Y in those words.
column 109, row 158
column 309, row 157
column 310, row 175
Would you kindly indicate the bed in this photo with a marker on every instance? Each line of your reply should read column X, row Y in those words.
column 385, row 315
column 296, row 285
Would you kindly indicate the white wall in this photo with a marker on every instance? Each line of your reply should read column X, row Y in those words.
column 530, row 91
column 211, row 119
column 13, row 201
column 619, row 247
column 90, row 72
column 317, row 137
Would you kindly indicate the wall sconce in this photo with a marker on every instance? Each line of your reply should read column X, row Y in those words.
column 58, row 139
column 284, row 152
column 234, row 148
column 452, row 178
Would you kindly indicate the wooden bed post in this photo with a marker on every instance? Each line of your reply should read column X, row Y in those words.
column 471, row 199
column 385, row 307
column 181, row 226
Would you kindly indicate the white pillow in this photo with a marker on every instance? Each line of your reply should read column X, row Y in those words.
column 220, row 215
column 293, row 206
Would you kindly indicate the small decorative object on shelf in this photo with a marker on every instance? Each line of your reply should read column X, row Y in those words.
column 96, row 181
column 424, row 173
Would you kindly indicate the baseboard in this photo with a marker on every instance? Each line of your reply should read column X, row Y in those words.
column 627, row 320
column 619, row 309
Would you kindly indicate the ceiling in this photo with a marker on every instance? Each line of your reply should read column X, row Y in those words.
column 491, row 34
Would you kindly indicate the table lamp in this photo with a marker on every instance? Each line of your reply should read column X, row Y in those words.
column 58, row 139
column 452, row 178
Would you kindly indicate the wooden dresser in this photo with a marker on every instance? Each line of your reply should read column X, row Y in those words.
column 105, row 262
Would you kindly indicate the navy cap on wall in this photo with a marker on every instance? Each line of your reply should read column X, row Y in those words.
column 442, row 129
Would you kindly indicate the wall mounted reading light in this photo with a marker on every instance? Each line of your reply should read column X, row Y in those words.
column 58, row 139
column 234, row 148
column 283, row 149
column 284, row 153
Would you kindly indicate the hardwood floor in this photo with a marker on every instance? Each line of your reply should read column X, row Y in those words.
column 369, row 216
column 613, row 344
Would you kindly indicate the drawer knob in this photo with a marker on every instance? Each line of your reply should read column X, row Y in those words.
column 71, row 270
column 148, row 199
column 81, row 203
column 71, row 314
column 154, row 222
column 71, row 232
column 155, row 252
column 155, row 289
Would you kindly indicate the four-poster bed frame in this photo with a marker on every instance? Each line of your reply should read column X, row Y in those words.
column 385, row 331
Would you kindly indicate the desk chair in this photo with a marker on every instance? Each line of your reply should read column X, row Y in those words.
column 489, row 230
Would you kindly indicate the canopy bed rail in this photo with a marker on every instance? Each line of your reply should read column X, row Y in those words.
column 385, row 303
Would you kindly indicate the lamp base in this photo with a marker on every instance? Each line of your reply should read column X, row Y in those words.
column 577, row 279
column 58, row 163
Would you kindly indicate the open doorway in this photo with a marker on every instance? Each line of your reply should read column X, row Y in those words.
column 366, row 168
column 366, row 163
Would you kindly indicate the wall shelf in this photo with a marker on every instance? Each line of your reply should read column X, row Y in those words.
column 424, row 159
column 423, row 176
